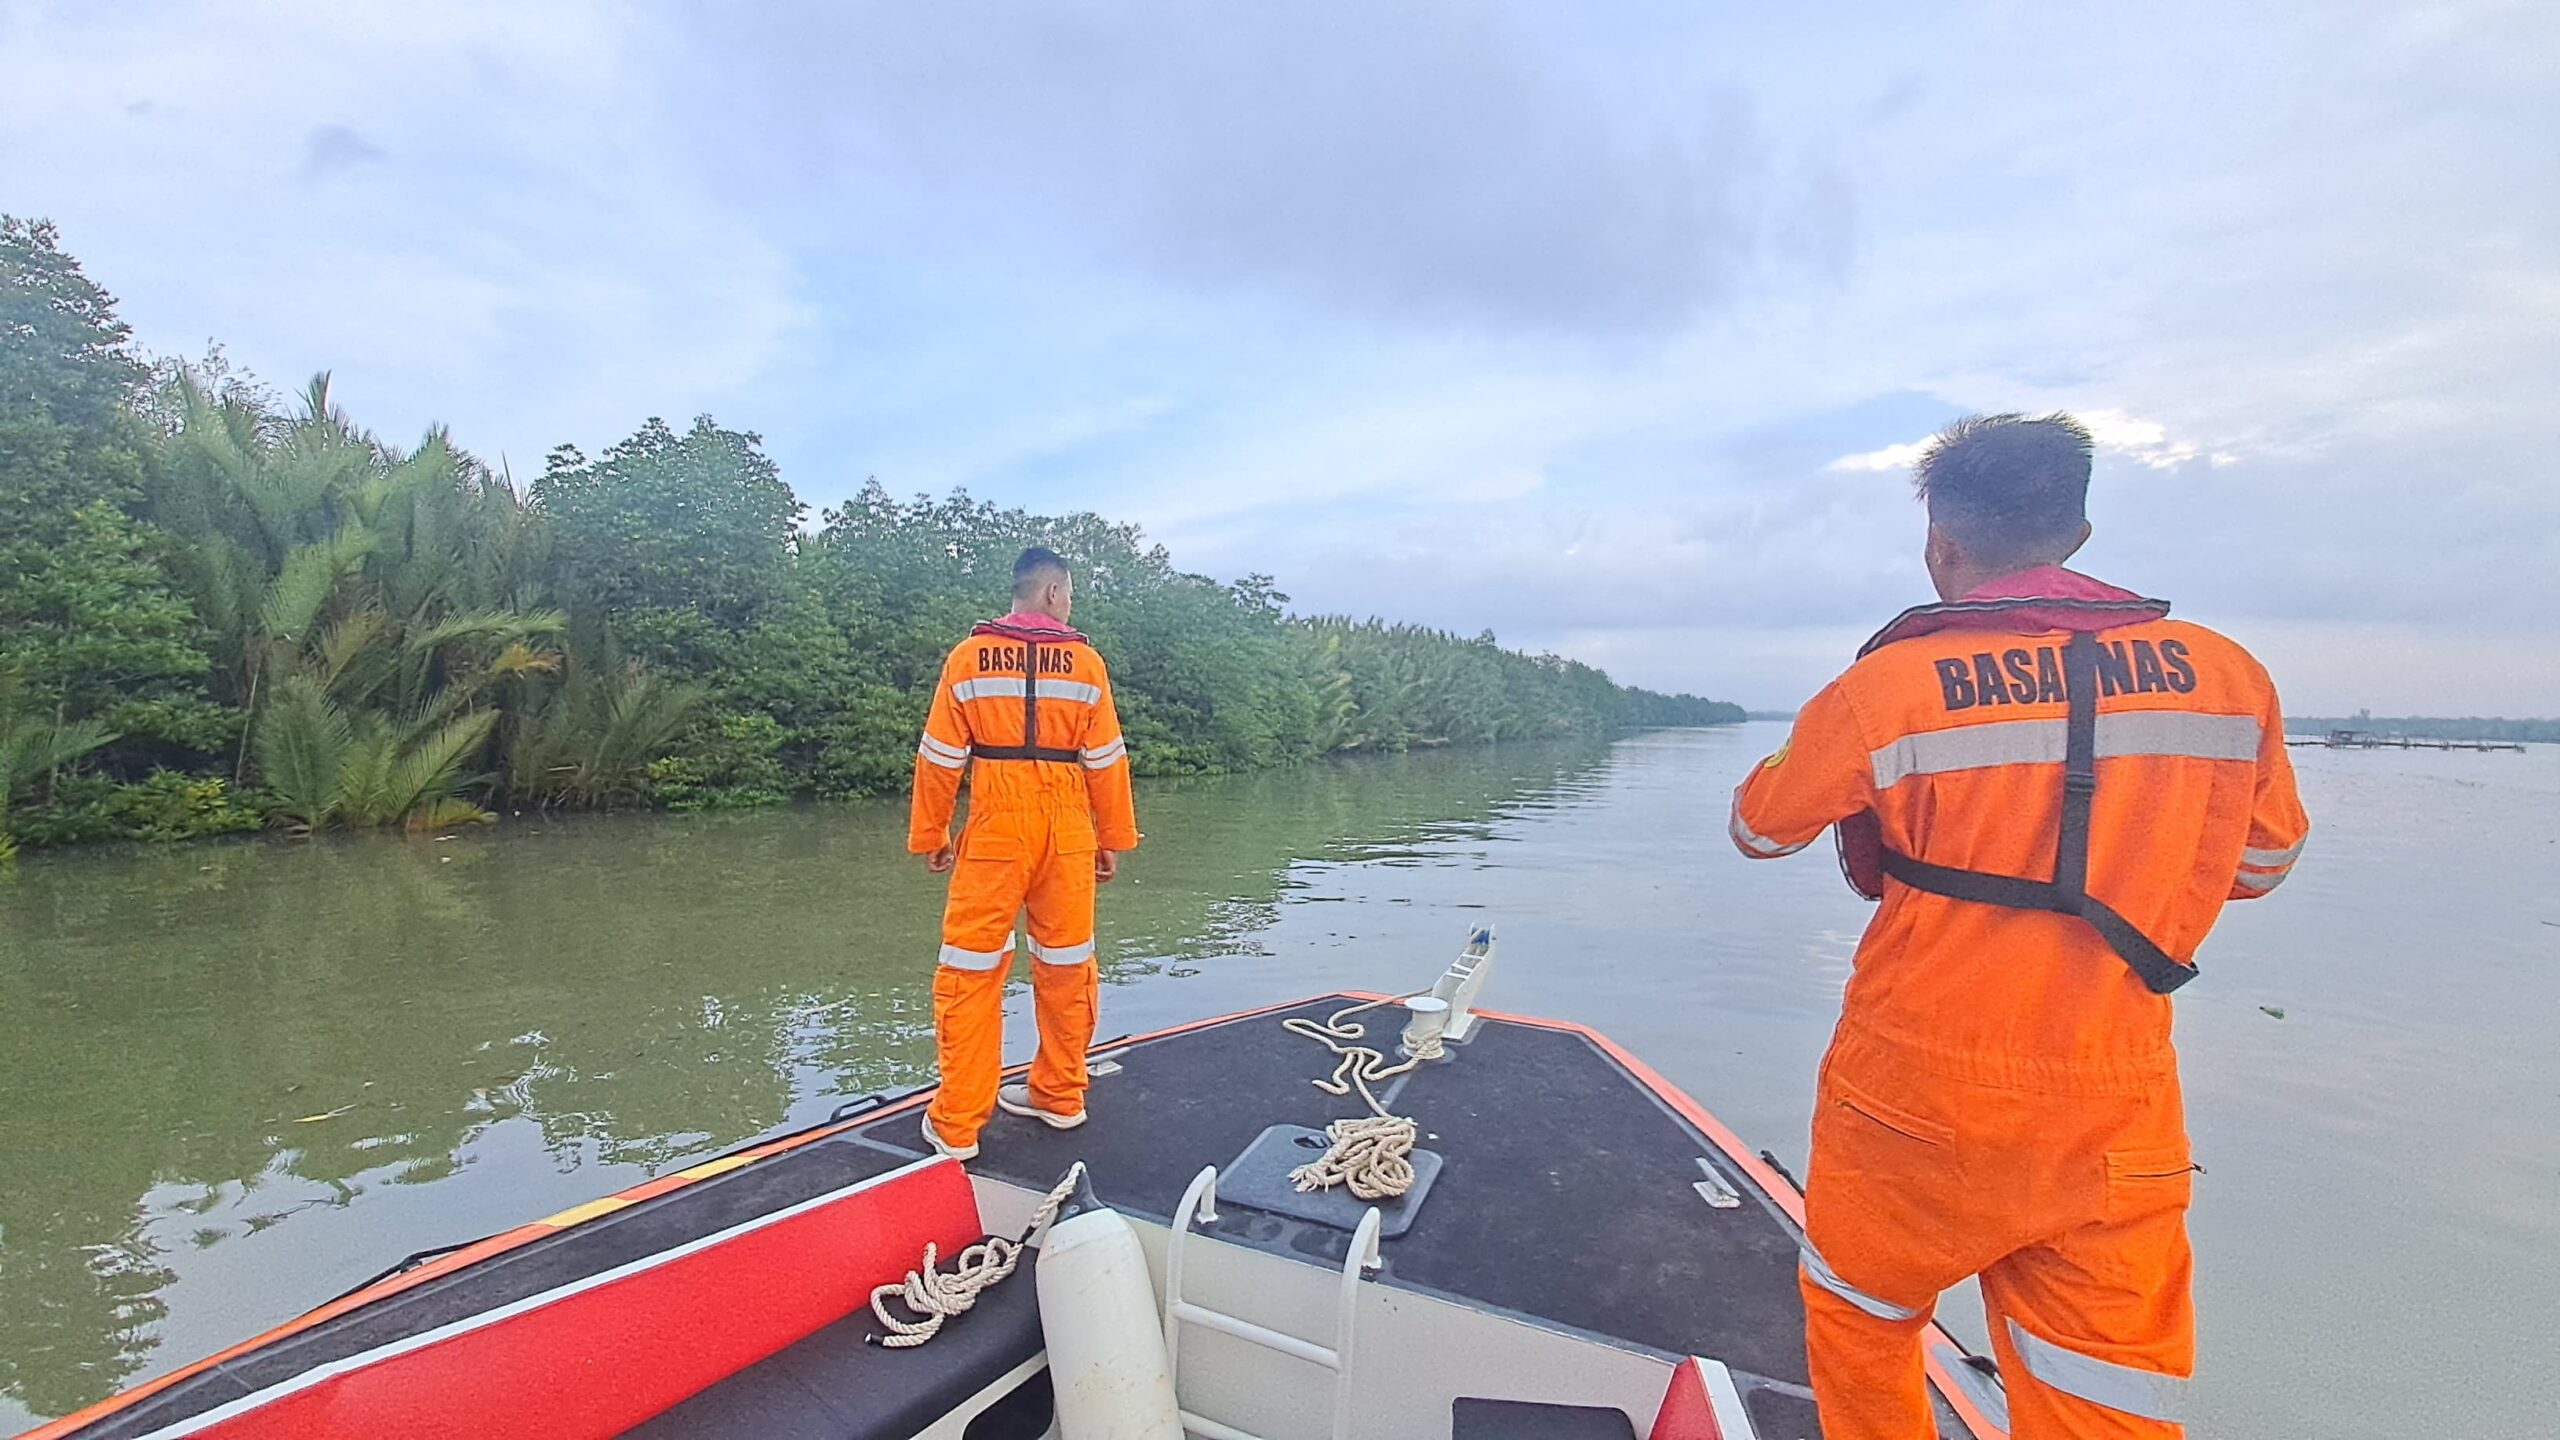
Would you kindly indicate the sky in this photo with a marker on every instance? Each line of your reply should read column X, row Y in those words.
column 1610, row 327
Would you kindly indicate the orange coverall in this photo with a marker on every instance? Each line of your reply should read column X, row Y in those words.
column 2001, row 1096
column 1022, row 683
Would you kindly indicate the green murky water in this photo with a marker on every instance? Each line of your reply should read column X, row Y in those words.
column 238, row 1079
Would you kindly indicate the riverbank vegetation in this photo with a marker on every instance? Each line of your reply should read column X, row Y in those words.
column 2430, row 727
column 222, row 610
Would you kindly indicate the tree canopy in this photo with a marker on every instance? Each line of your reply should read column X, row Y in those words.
column 222, row 609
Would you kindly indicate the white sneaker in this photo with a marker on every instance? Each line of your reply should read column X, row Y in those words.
column 941, row 1146
column 1016, row 1100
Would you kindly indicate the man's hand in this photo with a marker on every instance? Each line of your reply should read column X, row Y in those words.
column 941, row 861
column 1106, row 863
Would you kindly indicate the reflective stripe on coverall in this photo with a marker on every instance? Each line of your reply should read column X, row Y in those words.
column 1028, row 845
column 2001, row 1098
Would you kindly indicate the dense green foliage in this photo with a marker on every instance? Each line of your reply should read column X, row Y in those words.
column 93, row 638
column 220, row 610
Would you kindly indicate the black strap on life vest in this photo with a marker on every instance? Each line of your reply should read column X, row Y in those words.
column 1030, row 748
column 2067, row 893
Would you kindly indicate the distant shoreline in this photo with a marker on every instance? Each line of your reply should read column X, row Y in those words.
column 2425, row 727
column 2430, row 727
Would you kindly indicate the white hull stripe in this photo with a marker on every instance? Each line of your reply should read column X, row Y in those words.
column 2259, row 882
column 321, row 1373
column 1103, row 757
column 1754, row 841
column 2186, row 733
column 1062, row 954
column 1822, row 1275
column 2271, row 859
column 927, row 752
column 959, row 959
column 2135, row 1391
column 1724, row 1400
column 948, row 752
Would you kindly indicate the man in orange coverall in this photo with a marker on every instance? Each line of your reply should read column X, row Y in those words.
column 1024, row 705
column 2062, row 787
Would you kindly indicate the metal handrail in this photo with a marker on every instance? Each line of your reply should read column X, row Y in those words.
column 1200, row 1205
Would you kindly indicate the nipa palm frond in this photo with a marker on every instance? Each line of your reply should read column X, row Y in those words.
column 430, row 770
column 343, row 649
column 520, row 658
column 311, row 573
column 30, row 747
column 643, row 716
column 501, row 626
column 303, row 741
column 368, row 776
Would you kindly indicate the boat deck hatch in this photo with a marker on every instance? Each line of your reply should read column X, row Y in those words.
column 1259, row 1178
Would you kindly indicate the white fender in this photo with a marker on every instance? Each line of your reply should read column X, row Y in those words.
column 1105, row 1339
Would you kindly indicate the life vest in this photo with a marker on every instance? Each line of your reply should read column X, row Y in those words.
column 1032, row 638
column 1866, row 861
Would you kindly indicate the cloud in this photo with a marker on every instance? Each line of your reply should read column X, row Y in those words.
column 1402, row 164
column 1597, row 325
column 1895, row 99
column 2144, row 442
column 335, row 147
column 534, row 269
column 1891, row 457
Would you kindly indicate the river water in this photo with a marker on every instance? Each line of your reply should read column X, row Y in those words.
column 240, row 1078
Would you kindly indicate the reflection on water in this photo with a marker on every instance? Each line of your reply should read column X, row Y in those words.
column 241, row 1078
column 238, row 1078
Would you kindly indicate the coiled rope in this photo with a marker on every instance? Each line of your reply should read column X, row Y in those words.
column 1372, row 1154
column 937, row 1296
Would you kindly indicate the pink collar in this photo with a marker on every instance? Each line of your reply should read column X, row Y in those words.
column 2047, row 597
column 1031, row 620
column 1029, row 625
column 2048, row 582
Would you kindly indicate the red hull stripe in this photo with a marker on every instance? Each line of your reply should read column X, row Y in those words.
column 595, row 1357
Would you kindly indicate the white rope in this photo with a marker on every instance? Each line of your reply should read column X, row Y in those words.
column 937, row 1296
column 1372, row 1154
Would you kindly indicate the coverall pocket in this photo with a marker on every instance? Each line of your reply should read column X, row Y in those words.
column 1889, row 1116
column 1073, row 835
column 2148, row 1181
column 989, row 845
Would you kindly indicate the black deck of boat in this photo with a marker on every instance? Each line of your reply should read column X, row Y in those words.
column 1568, row 1194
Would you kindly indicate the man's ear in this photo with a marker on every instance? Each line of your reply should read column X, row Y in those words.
column 2085, row 529
column 1946, row 562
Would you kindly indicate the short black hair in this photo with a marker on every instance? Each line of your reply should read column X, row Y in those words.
column 1036, row 567
column 2010, row 489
